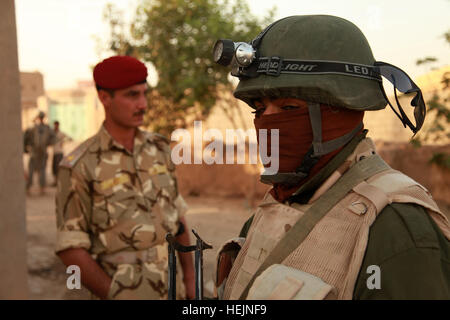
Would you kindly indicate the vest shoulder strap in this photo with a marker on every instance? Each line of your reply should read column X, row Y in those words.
column 393, row 186
column 361, row 171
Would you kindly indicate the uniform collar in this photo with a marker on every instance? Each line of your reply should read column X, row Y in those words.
column 107, row 142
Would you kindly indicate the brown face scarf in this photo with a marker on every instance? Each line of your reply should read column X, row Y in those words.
column 295, row 139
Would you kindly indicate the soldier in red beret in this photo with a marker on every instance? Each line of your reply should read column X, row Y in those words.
column 117, row 197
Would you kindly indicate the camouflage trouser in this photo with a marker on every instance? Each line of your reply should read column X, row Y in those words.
column 142, row 281
column 39, row 164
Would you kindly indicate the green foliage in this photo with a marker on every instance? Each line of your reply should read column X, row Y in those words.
column 416, row 143
column 438, row 129
column 425, row 60
column 441, row 159
column 438, row 106
column 447, row 37
column 177, row 38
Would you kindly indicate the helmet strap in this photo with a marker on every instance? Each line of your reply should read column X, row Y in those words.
column 317, row 149
column 322, row 148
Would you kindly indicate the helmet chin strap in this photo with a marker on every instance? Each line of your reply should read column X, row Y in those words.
column 318, row 148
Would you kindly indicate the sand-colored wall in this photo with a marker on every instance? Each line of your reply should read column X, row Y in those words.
column 415, row 163
column 243, row 180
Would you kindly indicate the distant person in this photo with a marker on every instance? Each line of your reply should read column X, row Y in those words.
column 117, row 197
column 36, row 141
column 58, row 149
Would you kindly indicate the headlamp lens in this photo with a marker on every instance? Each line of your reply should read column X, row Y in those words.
column 218, row 50
column 223, row 52
column 245, row 54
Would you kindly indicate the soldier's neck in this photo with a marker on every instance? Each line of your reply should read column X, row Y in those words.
column 124, row 136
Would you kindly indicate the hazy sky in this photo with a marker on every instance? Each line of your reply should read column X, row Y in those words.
column 57, row 37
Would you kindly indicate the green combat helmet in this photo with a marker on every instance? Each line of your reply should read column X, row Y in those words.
column 319, row 59
column 310, row 38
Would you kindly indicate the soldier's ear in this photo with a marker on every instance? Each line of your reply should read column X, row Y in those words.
column 105, row 97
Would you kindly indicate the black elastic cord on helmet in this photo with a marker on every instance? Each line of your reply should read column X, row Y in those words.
column 255, row 42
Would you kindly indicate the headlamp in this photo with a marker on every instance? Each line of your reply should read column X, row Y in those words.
column 238, row 55
column 223, row 52
column 244, row 53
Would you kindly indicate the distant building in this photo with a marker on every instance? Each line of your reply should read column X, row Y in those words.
column 78, row 110
column 32, row 92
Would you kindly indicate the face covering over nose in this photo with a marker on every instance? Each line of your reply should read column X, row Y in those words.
column 296, row 136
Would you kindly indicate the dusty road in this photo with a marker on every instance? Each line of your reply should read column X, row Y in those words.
column 215, row 219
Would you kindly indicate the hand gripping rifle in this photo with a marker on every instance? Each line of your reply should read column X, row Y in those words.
column 198, row 248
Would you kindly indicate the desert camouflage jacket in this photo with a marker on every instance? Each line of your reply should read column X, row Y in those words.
column 112, row 201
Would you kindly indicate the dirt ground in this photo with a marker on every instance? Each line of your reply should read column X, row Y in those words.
column 214, row 219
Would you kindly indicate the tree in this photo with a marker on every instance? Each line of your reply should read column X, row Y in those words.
column 438, row 105
column 177, row 38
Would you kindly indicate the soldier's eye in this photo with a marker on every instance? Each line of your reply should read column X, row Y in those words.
column 258, row 112
column 290, row 107
column 132, row 94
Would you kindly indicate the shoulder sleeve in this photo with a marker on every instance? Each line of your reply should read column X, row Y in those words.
column 410, row 256
column 73, row 209
column 413, row 274
column 161, row 142
column 72, row 158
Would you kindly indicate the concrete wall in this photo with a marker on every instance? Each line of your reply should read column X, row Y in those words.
column 13, row 270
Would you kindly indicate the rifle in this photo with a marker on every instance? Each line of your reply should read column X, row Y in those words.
column 198, row 248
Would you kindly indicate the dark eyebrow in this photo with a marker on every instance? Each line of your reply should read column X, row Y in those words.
column 132, row 92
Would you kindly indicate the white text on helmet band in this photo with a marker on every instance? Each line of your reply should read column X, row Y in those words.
column 356, row 69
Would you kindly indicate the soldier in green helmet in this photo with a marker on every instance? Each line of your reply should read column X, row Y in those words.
column 338, row 222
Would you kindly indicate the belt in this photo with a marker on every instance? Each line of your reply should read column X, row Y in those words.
column 153, row 254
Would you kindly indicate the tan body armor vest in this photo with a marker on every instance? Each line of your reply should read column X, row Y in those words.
column 334, row 249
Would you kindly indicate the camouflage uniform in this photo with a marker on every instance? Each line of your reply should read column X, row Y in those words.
column 36, row 141
column 119, row 206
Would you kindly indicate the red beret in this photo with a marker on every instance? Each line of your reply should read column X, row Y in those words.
column 119, row 72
